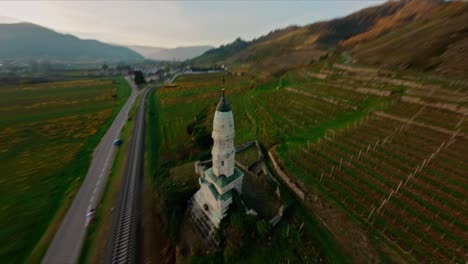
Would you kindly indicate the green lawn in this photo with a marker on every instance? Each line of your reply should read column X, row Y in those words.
column 48, row 133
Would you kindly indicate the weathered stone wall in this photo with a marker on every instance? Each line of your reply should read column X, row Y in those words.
column 446, row 106
column 321, row 98
column 285, row 177
column 245, row 146
column 406, row 120
column 320, row 76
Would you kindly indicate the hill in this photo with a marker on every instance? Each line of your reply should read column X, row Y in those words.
column 25, row 41
column 223, row 52
column 411, row 11
column 436, row 42
column 295, row 46
column 396, row 34
column 178, row 54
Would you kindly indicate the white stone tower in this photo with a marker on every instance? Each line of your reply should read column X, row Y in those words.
column 223, row 151
column 217, row 183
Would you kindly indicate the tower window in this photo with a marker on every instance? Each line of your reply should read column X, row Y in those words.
column 222, row 163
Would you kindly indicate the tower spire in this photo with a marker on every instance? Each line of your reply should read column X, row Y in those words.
column 222, row 85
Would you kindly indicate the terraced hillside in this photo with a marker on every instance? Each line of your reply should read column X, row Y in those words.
column 378, row 156
column 400, row 168
column 48, row 132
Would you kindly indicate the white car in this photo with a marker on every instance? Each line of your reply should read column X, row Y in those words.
column 90, row 216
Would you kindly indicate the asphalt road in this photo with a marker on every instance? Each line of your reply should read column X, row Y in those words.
column 66, row 245
column 125, row 236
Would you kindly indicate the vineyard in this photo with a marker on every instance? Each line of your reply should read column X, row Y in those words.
column 48, row 132
column 387, row 148
column 400, row 170
column 191, row 94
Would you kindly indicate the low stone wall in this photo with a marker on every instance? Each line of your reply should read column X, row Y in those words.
column 243, row 167
column 371, row 75
column 253, row 167
column 201, row 166
column 285, row 177
column 320, row 76
column 278, row 217
column 268, row 173
column 250, row 118
column 245, row 146
column 321, row 98
column 362, row 90
column 446, row 106
column 259, row 150
column 415, row 123
column 354, row 69
column 374, row 91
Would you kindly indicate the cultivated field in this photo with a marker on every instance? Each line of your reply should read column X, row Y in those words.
column 190, row 95
column 400, row 169
column 386, row 149
column 48, row 132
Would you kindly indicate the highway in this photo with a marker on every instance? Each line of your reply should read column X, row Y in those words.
column 66, row 245
column 125, row 235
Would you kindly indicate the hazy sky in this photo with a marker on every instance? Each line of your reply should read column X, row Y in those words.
column 174, row 23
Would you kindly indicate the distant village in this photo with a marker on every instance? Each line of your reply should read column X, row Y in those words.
column 154, row 71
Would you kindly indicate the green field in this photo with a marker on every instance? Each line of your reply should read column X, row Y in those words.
column 48, row 132
column 384, row 150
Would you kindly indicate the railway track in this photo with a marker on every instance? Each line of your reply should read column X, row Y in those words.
column 126, row 233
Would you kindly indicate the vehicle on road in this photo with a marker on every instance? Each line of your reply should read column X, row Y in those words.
column 117, row 142
column 90, row 216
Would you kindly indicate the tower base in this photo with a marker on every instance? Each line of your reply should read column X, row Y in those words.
column 202, row 223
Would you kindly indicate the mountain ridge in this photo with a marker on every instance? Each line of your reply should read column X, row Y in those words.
column 299, row 45
column 27, row 41
column 360, row 33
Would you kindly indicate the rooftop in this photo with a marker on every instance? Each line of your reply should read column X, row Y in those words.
column 222, row 180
